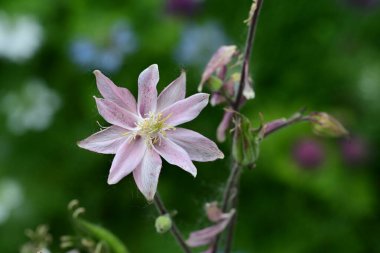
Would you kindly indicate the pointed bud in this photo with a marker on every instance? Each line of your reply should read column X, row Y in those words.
column 163, row 223
column 325, row 125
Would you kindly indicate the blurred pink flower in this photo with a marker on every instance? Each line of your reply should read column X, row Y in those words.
column 142, row 132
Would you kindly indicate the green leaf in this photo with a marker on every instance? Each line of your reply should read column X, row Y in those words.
column 102, row 234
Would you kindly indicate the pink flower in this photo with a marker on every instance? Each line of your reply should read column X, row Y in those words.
column 143, row 132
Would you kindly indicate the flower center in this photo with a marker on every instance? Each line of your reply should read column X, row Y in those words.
column 152, row 128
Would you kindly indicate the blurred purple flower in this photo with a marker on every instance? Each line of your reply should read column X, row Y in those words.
column 363, row 3
column 183, row 7
column 354, row 150
column 308, row 153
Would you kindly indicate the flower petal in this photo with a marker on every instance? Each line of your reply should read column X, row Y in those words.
column 207, row 235
column 127, row 158
column 106, row 141
column 186, row 109
column 120, row 96
column 147, row 172
column 196, row 145
column 116, row 115
column 224, row 125
column 220, row 58
column 147, row 100
column 172, row 93
column 175, row 155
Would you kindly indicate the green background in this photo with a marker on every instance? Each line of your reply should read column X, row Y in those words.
column 306, row 53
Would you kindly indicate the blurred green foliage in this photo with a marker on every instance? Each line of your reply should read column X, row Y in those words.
column 321, row 54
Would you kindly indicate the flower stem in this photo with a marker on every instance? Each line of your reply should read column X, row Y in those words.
column 297, row 117
column 174, row 229
column 247, row 54
column 229, row 200
column 232, row 187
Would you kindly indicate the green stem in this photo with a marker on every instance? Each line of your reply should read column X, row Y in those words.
column 174, row 229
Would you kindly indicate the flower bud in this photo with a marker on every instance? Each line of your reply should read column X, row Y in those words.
column 214, row 83
column 213, row 212
column 246, row 142
column 325, row 125
column 163, row 223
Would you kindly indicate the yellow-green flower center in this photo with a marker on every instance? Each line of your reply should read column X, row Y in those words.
column 152, row 128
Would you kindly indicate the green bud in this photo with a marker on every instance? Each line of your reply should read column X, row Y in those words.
column 214, row 83
column 246, row 142
column 163, row 223
column 325, row 125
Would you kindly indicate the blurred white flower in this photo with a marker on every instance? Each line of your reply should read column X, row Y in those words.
column 31, row 108
column 19, row 37
column 198, row 43
column 369, row 85
column 10, row 198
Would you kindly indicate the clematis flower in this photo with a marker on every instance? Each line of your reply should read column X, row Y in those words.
column 144, row 131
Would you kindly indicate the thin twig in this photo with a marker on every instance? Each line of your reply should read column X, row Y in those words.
column 229, row 196
column 174, row 229
column 298, row 117
column 247, row 54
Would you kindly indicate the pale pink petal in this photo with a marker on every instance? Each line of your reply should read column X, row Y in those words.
column 175, row 155
column 196, row 145
column 216, row 99
column 224, row 126
column 147, row 99
column 248, row 91
column 174, row 92
column 127, row 158
column 120, row 96
column 220, row 58
column 106, row 141
column 207, row 235
column 147, row 172
column 214, row 213
column 116, row 115
column 186, row 109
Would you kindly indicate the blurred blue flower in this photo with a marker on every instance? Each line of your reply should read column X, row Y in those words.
column 108, row 57
column 31, row 108
column 83, row 52
column 199, row 43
